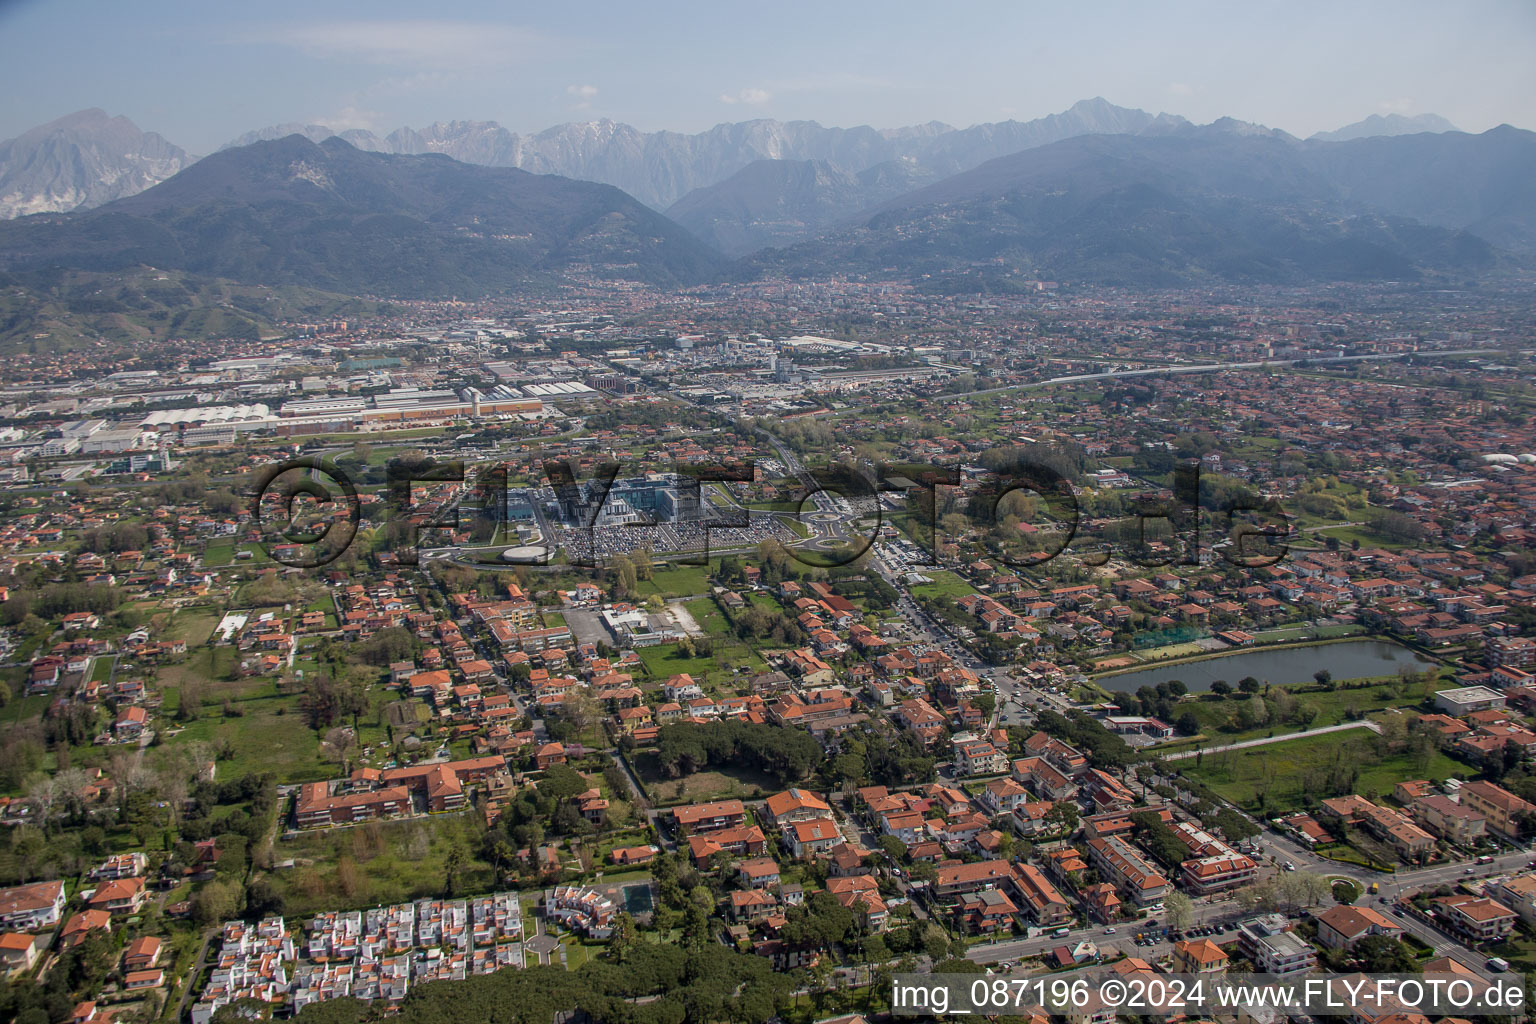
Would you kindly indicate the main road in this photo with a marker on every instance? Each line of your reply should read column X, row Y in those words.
column 1078, row 378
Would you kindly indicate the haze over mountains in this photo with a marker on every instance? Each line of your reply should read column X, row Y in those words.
column 1386, row 124
column 659, row 168
column 81, row 161
column 1095, row 194
column 1217, row 203
column 86, row 159
column 291, row 212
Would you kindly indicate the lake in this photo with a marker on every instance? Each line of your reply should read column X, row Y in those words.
column 1353, row 659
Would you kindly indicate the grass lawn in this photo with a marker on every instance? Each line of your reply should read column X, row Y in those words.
column 389, row 862
column 25, row 708
column 214, row 669
column 270, row 736
column 193, row 626
column 219, row 552
column 1309, row 633
column 1333, row 708
column 677, row 581
column 1367, row 539
column 1189, row 650
column 739, row 782
column 1291, row 774
column 668, row 660
column 943, row 583
column 1288, row 633
column 709, row 616
column 765, row 601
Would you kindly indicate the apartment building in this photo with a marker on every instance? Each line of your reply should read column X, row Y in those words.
column 1132, row 873
column 1448, row 819
column 1270, row 946
column 1501, row 808
column 709, row 817
column 1475, row 919
column 1041, row 901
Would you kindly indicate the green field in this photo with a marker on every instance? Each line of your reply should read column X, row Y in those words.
column 944, row 583
column 677, row 581
column 1154, row 654
column 219, row 552
column 668, row 660
column 378, row 864
column 1293, row 774
column 269, row 737
column 193, row 626
column 709, row 616
column 1368, row 539
column 1333, row 708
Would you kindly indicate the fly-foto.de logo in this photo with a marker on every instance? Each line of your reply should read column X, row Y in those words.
column 309, row 512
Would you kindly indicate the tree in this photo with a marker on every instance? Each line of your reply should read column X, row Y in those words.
column 1323, row 677
column 1187, row 724
column 338, row 745
column 1181, row 910
column 217, row 901
column 1062, row 818
column 453, row 866
column 1311, row 887
column 623, row 939
column 626, row 583
column 1253, row 713
column 1385, row 955
column 1221, row 687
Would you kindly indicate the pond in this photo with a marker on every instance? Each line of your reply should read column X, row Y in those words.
column 1353, row 659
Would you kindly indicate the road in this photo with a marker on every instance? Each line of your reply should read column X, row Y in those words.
column 1078, row 378
column 1224, row 914
column 1227, row 913
column 192, row 975
column 1015, row 697
column 1263, row 740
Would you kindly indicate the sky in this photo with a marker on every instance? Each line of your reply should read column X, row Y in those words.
column 202, row 73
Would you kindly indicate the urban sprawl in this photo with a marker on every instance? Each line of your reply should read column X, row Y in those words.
column 605, row 666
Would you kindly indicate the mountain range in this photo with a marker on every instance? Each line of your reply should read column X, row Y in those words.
column 659, row 168
column 331, row 216
column 1223, row 202
column 81, row 161
column 86, row 159
column 1098, row 194
column 1386, row 124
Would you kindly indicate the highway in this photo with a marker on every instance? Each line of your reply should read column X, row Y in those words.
column 1078, row 378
